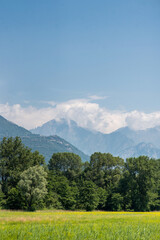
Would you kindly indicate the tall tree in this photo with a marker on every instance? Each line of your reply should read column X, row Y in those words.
column 14, row 159
column 68, row 164
column 89, row 196
column 33, row 185
column 63, row 191
column 138, row 185
column 106, row 169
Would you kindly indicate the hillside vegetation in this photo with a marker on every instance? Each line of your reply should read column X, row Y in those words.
column 45, row 145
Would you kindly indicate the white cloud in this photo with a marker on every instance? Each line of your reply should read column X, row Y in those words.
column 95, row 97
column 85, row 112
column 52, row 103
column 140, row 120
column 28, row 117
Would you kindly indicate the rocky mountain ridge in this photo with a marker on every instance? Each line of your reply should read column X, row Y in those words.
column 124, row 142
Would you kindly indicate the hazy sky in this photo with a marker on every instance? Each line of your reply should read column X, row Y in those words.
column 65, row 50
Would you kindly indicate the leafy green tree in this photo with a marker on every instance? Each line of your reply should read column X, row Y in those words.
column 65, row 191
column 115, row 202
column 52, row 198
column 67, row 196
column 106, row 170
column 138, row 185
column 103, row 195
column 89, row 198
column 52, row 201
column 154, row 193
column 68, row 164
column 14, row 159
column 33, row 185
column 2, row 198
column 15, row 200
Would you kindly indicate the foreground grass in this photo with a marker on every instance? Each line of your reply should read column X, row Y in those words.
column 79, row 225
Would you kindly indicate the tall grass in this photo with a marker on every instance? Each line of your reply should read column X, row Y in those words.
column 61, row 225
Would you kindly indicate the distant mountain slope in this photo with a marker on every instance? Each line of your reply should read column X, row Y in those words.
column 45, row 145
column 124, row 142
column 85, row 139
column 8, row 129
column 146, row 149
column 150, row 135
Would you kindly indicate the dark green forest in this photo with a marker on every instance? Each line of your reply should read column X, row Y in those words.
column 104, row 183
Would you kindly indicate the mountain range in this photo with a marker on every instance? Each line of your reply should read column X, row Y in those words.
column 124, row 142
column 45, row 145
column 67, row 136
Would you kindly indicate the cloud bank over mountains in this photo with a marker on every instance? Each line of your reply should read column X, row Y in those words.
column 85, row 112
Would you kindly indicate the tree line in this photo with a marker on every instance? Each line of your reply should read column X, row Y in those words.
column 105, row 183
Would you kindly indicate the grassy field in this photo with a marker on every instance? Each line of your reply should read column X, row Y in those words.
column 79, row 225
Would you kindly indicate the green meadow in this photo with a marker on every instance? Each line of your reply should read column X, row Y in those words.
column 79, row 225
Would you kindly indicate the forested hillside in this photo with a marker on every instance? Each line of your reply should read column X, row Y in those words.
column 45, row 145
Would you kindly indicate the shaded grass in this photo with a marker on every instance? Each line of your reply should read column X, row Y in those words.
column 79, row 225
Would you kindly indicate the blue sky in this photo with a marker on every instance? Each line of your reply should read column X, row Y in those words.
column 63, row 50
